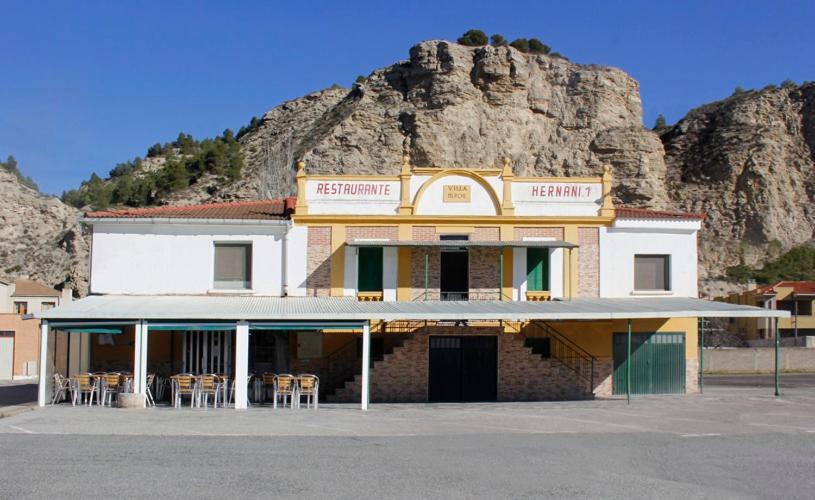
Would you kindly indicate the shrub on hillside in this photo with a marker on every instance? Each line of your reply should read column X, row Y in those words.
column 473, row 38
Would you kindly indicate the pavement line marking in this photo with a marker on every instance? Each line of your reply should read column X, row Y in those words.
column 708, row 434
column 22, row 430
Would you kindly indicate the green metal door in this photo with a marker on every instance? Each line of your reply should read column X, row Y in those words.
column 657, row 363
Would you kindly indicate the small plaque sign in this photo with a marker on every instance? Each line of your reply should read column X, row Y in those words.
column 454, row 193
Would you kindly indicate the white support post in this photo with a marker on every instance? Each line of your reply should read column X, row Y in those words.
column 140, row 359
column 143, row 364
column 366, row 363
column 41, row 386
column 241, row 364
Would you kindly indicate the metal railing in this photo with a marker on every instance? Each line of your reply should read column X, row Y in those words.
column 569, row 354
column 469, row 295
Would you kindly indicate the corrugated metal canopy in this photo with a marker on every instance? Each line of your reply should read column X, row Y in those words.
column 256, row 308
column 462, row 243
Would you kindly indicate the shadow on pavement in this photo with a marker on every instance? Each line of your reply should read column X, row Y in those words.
column 18, row 394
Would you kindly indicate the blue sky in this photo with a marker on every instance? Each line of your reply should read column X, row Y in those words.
column 87, row 84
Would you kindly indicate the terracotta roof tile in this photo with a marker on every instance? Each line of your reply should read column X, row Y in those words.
column 797, row 286
column 250, row 210
column 28, row 288
column 644, row 213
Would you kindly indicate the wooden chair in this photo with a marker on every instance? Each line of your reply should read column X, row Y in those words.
column 85, row 384
column 183, row 385
column 62, row 386
column 111, row 384
column 308, row 385
column 209, row 384
column 285, row 386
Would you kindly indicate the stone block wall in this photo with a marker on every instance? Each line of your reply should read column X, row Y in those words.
column 588, row 262
column 318, row 268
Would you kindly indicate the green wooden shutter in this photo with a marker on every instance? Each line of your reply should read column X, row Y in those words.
column 537, row 269
column 369, row 264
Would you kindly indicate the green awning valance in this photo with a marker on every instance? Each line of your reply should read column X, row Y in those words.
column 93, row 329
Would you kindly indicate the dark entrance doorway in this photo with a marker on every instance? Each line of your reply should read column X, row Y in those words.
column 455, row 270
column 463, row 368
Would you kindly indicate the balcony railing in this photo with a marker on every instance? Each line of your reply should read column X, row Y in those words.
column 470, row 295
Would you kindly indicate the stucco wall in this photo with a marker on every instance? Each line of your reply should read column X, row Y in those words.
column 178, row 258
column 26, row 341
column 619, row 244
column 759, row 360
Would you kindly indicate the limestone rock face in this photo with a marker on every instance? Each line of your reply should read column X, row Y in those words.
column 464, row 107
column 40, row 237
column 749, row 163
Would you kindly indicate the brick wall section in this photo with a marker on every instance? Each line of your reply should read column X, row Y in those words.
column 371, row 232
column 424, row 233
column 486, row 234
column 588, row 262
column 402, row 376
column 26, row 341
column 318, row 279
column 603, row 377
column 538, row 232
column 523, row 376
column 485, row 273
column 417, row 274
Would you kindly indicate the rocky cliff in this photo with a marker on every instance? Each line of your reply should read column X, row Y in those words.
column 40, row 237
column 456, row 106
column 749, row 163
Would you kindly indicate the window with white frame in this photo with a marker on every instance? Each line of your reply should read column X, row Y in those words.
column 652, row 273
column 233, row 266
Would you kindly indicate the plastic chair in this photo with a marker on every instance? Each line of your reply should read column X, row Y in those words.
column 285, row 386
column 308, row 385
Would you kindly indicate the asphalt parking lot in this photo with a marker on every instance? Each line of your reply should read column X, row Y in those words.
column 735, row 441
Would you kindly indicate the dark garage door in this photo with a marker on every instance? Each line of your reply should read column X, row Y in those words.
column 657, row 363
column 463, row 368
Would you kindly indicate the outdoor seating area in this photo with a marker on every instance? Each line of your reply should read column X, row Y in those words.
column 182, row 389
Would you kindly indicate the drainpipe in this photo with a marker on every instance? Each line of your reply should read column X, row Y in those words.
column 284, row 280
